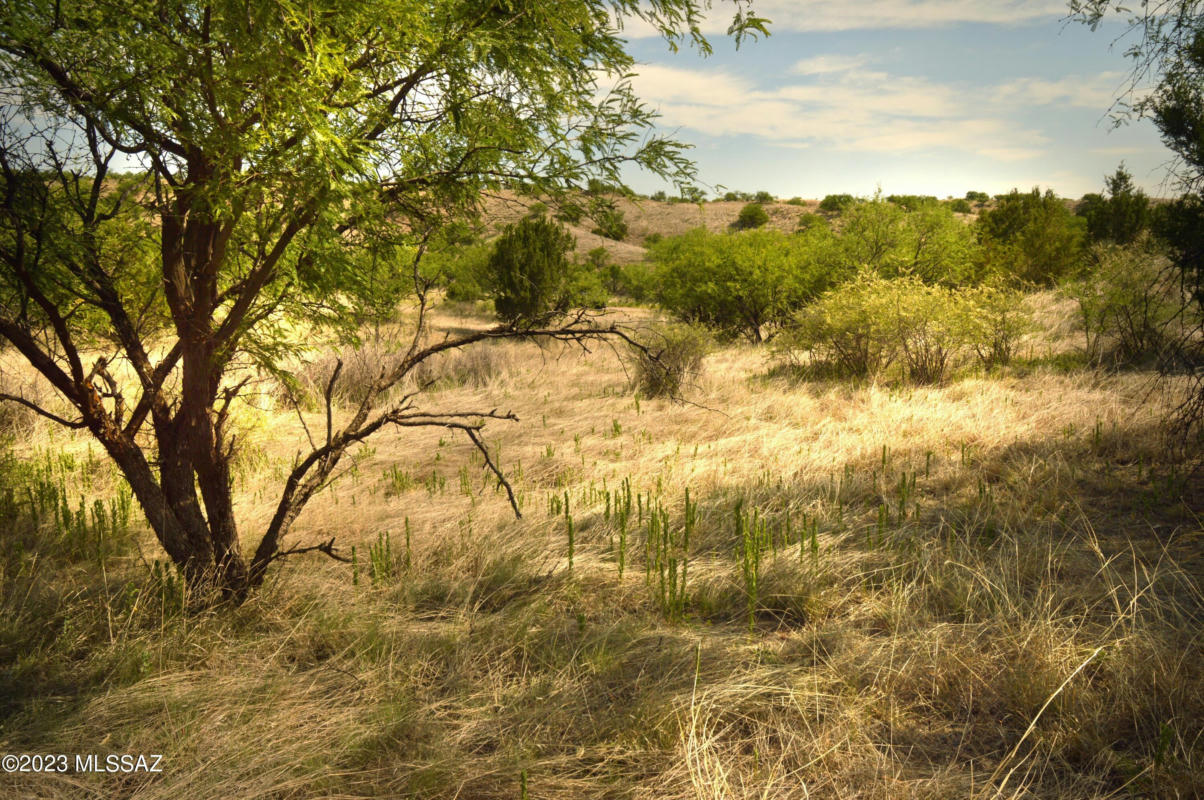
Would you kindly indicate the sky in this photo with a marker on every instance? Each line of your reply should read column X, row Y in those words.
column 931, row 97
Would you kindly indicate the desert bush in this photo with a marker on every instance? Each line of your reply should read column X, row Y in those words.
column 978, row 198
column 929, row 242
column 1031, row 237
column 861, row 328
column 570, row 212
column 742, row 284
column 809, row 220
column 751, row 216
column 609, row 220
column 836, row 203
column 1129, row 301
column 995, row 321
column 796, row 201
column 462, row 270
column 1121, row 216
column 960, row 206
column 763, row 197
column 668, row 358
column 635, row 281
column 529, row 272
column 912, row 202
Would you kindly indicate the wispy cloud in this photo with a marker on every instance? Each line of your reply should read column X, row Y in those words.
column 825, row 15
column 838, row 104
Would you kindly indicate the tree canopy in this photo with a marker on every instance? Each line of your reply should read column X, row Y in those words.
column 291, row 159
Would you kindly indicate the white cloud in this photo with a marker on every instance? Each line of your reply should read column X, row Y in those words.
column 1096, row 91
column 842, row 106
column 828, row 63
column 826, row 15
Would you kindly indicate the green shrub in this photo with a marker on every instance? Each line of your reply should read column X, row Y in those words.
column 960, row 206
column 808, row 221
column 978, row 198
column 666, row 358
column 609, row 220
column 1031, row 237
column 763, row 197
column 836, row 203
column 929, row 242
column 861, row 328
column 751, row 216
column 530, row 276
column 740, row 284
column 570, row 212
column 912, row 202
column 635, row 281
column 1120, row 217
column 796, row 201
column 1129, row 303
column 996, row 319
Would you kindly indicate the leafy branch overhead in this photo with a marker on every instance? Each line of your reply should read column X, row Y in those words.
column 291, row 160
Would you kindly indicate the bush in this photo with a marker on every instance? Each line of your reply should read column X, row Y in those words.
column 960, row 206
column 862, row 328
column 669, row 357
column 912, row 202
column 570, row 212
column 808, row 221
column 610, row 221
column 529, row 273
column 796, row 201
column 996, row 319
column 1031, row 237
column 763, row 197
column 978, row 198
column 751, row 216
column 740, row 284
column 837, row 203
column 1120, row 217
column 1129, row 302
column 929, row 242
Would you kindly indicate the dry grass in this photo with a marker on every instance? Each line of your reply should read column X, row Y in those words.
column 1028, row 626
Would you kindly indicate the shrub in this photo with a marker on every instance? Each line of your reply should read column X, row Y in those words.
column 929, row 242
column 1031, row 237
column 669, row 357
column 570, row 212
column 1121, row 216
column 751, row 216
column 529, row 273
column 635, row 281
column 740, row 284
column 808, row 221
column 996, row 319
column 1129, row 302
column 861, row 328
column 978, row 198
column 763, row 197
column 796, row 201
column 610, row 221
column 463, row 270
column 960, row 206
column 912, row 202
column 837, row 203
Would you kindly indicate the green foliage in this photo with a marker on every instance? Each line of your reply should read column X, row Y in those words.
column 837, row 203
column 742, row 284
column 1121, row 216
column 570, row 212
column 1129, row 302
column 863, row 327
column 693, row 194
column 960, row 206
column 809, row 220
column 929, row 242
column 667, row 358
column 751, row 216
column 1031, row 237
column 912, row 202
column 796, row 201
column 995, row 320
column 530, row 275
column 978, row 198
column 763, row 197
column 610, row 220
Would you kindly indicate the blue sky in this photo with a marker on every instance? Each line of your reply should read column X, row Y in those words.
column 915, row 96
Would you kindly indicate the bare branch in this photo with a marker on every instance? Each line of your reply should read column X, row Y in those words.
column 79, row 423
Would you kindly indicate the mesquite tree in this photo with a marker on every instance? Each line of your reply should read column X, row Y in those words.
column 284, row 162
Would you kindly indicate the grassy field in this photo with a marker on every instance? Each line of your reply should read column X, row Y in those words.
column 990, row 588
